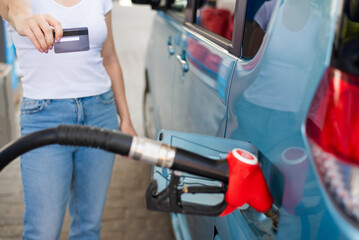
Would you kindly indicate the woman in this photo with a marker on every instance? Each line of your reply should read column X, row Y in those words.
column 67, row 88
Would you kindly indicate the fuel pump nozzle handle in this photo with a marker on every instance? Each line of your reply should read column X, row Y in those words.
column 162, row 155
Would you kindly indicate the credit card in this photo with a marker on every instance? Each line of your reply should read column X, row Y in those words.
column 73, row 40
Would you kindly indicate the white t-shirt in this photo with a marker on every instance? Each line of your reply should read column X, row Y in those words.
column 66, row 75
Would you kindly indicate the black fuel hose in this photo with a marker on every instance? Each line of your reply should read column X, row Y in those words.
column 108, row 140
column 113, row 141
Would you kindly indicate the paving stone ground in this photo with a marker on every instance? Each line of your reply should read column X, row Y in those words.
column 125, row 216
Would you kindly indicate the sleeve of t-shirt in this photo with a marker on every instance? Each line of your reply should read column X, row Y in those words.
column 107, row 6
column 264, row 14
column 261, row 17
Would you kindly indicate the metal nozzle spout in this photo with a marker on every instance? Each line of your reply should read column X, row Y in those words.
column 273, row 213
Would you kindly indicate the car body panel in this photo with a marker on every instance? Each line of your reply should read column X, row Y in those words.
column 199, row 104
column 263, row 100
column 161, row 66
column 261, row 113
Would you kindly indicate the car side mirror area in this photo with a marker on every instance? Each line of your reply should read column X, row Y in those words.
column 154, row 3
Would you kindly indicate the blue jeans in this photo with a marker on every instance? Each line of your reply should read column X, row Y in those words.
column 54, row 175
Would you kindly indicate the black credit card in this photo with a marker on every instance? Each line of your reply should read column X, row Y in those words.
column 73, row 40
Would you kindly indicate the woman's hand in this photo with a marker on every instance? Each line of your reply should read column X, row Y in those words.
column 127, row 128
column 39, row 29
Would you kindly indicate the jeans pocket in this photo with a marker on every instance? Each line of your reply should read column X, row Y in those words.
column 106, row 98
column 30, row 106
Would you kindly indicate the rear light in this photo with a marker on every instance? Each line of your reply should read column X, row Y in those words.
column 332, row 127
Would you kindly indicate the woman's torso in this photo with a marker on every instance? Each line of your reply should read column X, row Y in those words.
column 66, row 75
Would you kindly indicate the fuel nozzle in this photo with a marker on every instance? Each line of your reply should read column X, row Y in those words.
column 240, row 172
column 247, row 184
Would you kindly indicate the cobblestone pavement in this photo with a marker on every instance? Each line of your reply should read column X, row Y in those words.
column 125, row 216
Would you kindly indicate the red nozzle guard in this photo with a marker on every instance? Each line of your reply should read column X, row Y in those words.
column 246, row 183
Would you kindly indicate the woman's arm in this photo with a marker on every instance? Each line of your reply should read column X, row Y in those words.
column 113, row 68
column 4, row 8
column 37, row 27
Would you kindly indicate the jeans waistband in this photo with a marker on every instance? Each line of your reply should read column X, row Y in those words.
column 72, row 99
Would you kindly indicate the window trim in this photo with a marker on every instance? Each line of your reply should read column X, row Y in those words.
column 189, row 14
column 238, row 27
column 174, row 16
column 235, row 46
column 217, row 39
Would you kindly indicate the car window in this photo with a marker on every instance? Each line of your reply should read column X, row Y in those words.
column 178, row 8
column 217, row 16
column 258, row 15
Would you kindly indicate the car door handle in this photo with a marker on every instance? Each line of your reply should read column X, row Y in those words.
column 183, row 63
column 171, row 49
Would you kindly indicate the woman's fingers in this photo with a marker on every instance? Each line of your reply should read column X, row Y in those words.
column 53, row 22
column 127, row 128
column 39, row 29
column 28, row 33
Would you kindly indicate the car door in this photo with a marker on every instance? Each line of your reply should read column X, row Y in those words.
column 161, row 61
column 205, row 60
